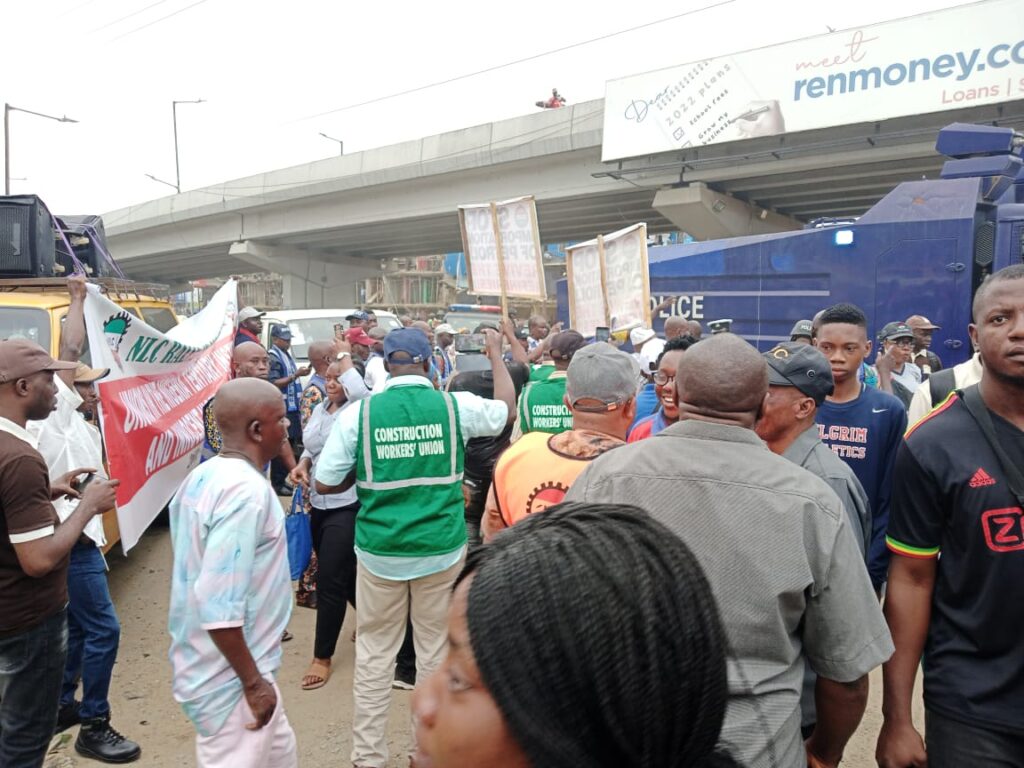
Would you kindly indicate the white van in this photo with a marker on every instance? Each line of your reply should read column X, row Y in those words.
column 309, row 325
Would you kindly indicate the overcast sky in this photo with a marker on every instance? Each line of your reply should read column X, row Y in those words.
column 275, row 74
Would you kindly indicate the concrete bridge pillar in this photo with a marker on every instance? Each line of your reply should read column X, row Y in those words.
column 311, row 280
column 706, row 214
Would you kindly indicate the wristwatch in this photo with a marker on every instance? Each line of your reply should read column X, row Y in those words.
column 344, row 354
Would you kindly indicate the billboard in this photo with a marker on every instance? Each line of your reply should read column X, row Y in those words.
column 966, row 56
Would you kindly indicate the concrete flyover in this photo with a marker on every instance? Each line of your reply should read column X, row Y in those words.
column 326, row 225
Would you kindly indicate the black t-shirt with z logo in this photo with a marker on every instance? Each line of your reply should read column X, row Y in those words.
column 951, row 500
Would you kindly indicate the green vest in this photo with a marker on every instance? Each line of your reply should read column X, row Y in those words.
column 541, row 372
column 409, row 474
column 542, row 407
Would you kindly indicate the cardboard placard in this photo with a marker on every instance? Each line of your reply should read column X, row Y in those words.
column 627, row 280
column 520, row 248
column 585, row 270
column 481, row 248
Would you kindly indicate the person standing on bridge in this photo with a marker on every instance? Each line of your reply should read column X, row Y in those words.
column 286, row 376
column 407, row 447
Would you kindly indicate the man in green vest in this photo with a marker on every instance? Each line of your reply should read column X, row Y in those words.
column 404, row 450
column 542, row 405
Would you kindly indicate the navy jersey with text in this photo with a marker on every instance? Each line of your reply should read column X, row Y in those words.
column 865, row 433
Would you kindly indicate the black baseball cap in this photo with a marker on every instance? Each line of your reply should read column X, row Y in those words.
column 791, row 364
column 895, row 330
column 802, row 328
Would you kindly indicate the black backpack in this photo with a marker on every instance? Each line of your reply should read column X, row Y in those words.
column 940, row 385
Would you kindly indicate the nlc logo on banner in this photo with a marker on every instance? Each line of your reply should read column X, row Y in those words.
column 151, row 402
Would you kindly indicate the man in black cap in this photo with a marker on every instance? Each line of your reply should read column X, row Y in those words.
column 803, row 332
column 34, row 549
column 286, row 376
column 250, row 326
column 799, row 380
column 895, row 364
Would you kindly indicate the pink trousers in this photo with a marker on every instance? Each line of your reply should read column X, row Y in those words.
column 233, row 746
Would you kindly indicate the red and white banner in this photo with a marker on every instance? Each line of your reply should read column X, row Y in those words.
column 151, row 402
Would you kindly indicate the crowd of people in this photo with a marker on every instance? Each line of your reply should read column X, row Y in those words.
column 690, row 554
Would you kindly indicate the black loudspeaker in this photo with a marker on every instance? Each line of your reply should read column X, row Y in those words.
column 87, row 238
column 26, row 237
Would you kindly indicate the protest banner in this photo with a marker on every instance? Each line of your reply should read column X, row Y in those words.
column 585, row 270
column 521, row 260
column 627, row 285
column 480, row 244
column 151, row 402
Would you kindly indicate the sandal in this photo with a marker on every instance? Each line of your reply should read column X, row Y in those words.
column 320, row 673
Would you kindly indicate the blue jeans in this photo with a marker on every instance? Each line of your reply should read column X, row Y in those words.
column 93, row 632
column 31, row 665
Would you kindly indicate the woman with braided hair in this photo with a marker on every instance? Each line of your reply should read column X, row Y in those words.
column 581, row 638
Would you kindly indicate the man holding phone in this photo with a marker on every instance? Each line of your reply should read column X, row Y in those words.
column 34, row 549
column 66, row 440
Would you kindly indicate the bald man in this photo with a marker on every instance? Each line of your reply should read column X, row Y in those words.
column 696, row 329
column 676, row 326
column 248, row 360
column 230, row 587
column 776, row 547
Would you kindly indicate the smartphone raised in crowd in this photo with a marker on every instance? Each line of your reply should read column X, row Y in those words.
column 470, row 342
column 602, row 333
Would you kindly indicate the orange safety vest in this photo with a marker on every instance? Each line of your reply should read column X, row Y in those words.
column 530, row 476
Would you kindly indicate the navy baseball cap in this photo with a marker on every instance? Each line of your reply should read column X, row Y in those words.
column 791, row 364
column 281, row 331
column 410, row 342
column 357, row 315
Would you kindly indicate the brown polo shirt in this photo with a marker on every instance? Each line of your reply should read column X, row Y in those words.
column 27, row 515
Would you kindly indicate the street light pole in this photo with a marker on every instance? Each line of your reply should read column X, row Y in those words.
column 7, row 137
column 341, row 144
column 174, row 113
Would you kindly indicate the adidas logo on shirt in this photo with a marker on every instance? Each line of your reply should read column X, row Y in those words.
column 981, row 479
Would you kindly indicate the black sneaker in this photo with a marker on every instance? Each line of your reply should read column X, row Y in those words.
column 405, row 680
column 99, row 741
column 68, row 715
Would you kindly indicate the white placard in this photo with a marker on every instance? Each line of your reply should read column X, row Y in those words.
column 481, row 249
column 626, row 279
column 586, row 287
column 961, row 57
column 520, row 248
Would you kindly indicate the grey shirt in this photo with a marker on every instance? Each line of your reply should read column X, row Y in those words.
column 777, row 549
column 809, row 452
column 817, row 458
